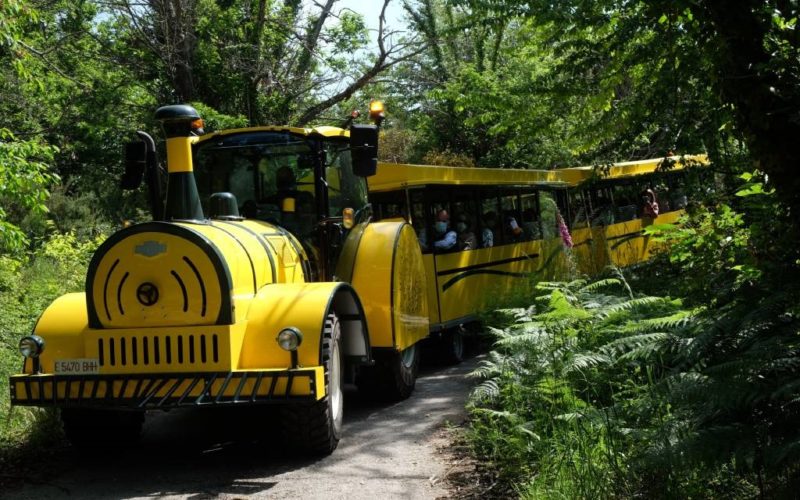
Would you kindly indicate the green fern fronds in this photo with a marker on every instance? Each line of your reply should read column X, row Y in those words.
column 488, row 390
column 632, row 305
column 584, row 361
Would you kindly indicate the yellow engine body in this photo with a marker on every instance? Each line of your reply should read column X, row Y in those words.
column 179, row 313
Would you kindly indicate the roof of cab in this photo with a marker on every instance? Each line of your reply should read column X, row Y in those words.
column 325, row 131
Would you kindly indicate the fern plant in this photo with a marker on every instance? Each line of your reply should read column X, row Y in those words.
column 594, row 391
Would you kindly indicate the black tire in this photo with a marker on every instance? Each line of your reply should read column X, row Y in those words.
column 393, row 377
column 96, row 428
column 452, row 346
column 315, row 429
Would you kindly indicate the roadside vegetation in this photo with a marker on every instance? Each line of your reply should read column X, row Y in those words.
column 677, row 379
column 680, row 380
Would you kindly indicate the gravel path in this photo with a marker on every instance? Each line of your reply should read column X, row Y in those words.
column 388, row 451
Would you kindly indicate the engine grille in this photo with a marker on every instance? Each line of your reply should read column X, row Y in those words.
column 144, row 350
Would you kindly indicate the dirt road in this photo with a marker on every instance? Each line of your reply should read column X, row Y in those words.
column 387, row 452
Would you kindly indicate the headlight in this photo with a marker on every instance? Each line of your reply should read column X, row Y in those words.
column 289, row 338
column 31, row 346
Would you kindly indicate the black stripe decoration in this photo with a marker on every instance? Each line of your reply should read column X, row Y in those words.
column 455, row 279
column 587, row 241
column 261, row 241
column 298, row 249
column 625, row 238
column 119, row 292
column 105, row 289
column 395, row 244
column 626, row 235
column 488, row 264
column 249, row 258
column 549, row 260
column 202, row 284
column 183, row 290
column 183, row 230
column 146, row 387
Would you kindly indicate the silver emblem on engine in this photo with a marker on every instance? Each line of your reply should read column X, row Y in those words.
column 150, row 248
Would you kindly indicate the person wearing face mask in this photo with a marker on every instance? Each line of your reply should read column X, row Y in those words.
column 466, row 238
column 489, row 223
column 446, row 238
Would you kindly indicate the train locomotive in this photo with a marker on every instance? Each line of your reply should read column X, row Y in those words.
column 261, row 280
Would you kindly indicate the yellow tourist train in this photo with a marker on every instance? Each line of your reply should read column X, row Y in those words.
column 272, row 274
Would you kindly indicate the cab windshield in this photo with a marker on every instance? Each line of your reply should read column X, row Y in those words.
column 263, row 169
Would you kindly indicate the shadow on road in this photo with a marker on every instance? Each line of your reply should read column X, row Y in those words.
column 205, row 453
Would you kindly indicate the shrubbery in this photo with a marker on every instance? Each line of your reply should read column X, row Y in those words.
column 596, row 391
column 27, row 286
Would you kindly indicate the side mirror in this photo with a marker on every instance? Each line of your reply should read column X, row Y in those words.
column 364, row 149
column 135, row 162
column 140, row 159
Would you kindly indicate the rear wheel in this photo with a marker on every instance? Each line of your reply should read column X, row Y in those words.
column 94, row 428
column 394, row 375
column 316, row 428
column 452, row 346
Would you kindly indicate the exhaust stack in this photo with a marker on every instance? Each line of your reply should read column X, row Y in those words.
column 181, row 123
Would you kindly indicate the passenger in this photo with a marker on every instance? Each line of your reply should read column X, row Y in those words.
column 649, row 204
column 513, row 229
column 530, row 226
column 466, row 238
column 489, row 223
column 446, row 238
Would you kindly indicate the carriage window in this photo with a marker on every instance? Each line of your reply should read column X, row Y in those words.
column 579, row 209
column 601, row 205
column 390, row 205
column 489, row 233
column 530, row 222
column 548, row 210
column 625, row 198
column 511, row 216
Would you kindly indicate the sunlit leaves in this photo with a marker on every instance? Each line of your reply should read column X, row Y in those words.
column 25, row 176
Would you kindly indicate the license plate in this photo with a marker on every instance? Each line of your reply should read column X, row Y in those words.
column 77, row 366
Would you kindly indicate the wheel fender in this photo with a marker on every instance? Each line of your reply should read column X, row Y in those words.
column 303, row 306
column 383, row 261
column 63, row 326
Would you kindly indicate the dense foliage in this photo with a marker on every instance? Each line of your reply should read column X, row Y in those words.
column 594, row 389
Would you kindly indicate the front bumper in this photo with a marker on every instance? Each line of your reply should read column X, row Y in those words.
column 147, row 391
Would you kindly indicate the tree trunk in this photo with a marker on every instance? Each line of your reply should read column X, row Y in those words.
column 765, row 106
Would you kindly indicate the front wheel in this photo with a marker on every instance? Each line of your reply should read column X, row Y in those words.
column 394, row 375
column 96, row 428
column 316, row 428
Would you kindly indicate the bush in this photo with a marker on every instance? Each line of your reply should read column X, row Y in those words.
column 26, row 288
column 584, row 397
column 593, row 393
